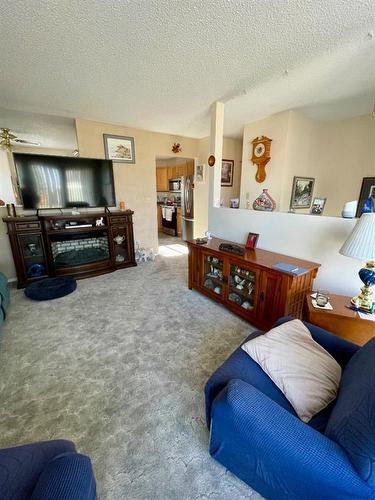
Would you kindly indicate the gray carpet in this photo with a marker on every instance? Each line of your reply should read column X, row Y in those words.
column 119, row 367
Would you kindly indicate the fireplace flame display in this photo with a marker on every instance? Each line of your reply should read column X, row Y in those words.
column 79, row 249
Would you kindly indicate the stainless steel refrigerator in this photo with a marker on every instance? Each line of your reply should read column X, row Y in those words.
column 187, row 207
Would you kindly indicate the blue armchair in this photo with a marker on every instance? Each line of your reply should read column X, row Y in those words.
column 50, row 470
column 256, row 434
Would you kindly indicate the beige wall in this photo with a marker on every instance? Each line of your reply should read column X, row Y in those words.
column 338, row 154
column 274, row 127
column 135, row 184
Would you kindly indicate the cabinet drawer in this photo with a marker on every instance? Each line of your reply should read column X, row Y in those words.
column 121, row 219
column 22, row 226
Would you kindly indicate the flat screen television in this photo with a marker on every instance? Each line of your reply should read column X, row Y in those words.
column 64, row 182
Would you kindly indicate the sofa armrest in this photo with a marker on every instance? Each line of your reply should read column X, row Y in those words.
column 21, row 466
column 275, row 452
column 67, row 477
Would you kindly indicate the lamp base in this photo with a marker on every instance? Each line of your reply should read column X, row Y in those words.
column 366, row 299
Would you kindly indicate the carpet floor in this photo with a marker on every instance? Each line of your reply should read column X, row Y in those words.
column 119, row 367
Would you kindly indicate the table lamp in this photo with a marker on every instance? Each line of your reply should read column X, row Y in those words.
column 360, row 244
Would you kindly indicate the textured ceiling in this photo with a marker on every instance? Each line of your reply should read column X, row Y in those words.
column 160, row 64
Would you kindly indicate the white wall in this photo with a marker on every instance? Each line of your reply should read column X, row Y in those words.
column 307, row 237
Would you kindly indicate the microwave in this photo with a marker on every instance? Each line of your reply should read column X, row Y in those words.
column 175, row 185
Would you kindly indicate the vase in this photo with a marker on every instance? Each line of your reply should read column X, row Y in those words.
column 264, row 202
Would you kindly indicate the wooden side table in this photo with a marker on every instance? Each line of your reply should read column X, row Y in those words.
column 342, row 321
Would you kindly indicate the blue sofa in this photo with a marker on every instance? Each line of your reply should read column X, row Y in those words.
column 256, row 434
column 50, row 470
column 4, row 298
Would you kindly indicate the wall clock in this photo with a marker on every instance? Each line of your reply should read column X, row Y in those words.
column 261, row 156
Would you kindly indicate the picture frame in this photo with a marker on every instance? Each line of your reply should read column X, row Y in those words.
column 366, row 200
column 227, row 168
column 200, row 174
column 119, row 148
column 252, row 241
column 302, row 192
column 318, row 205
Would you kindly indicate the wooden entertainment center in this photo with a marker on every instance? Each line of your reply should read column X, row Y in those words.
column 82, row 245
column 249, row 285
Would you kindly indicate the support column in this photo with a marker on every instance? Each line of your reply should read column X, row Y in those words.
column 216, row 149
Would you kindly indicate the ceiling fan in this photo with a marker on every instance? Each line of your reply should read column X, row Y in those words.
column 7, row 137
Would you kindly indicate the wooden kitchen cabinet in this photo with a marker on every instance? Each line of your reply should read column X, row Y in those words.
column 171, row 172
column 189, row 167
column 162, row 183
column 164, row 174
column 249, row 285
column 179, row 221
column 159, row 218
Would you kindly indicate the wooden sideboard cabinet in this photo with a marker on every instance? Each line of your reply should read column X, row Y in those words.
column 46, row 245
column 249, row 285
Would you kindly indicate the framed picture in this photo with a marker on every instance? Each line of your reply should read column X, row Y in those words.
column 366, row 202
column 119, row 149
column 318, row 206
column 302, row 192
column 252, row 241
column 227, row 167
column 199, row 176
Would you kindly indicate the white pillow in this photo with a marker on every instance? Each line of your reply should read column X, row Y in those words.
column 306, row 373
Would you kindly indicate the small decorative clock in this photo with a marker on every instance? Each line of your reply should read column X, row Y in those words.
column 261, row 156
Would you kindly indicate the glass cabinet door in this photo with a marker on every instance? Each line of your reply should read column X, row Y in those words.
column 242, row 287
column 213, row 274
column 32, row 251
column 120, row 244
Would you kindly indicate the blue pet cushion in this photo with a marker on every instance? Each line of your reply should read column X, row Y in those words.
column 51, row 288
column 352, row 421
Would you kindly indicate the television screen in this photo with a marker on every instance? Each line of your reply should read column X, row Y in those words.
column 64, row 182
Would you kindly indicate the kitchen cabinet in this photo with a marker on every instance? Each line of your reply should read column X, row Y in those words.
column 159, row 216
column 189, row 167
column 162, row 183
column 164, row 174
column 179, row 221
column 249, row 285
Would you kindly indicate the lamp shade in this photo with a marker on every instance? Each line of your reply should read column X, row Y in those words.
column 360, row 244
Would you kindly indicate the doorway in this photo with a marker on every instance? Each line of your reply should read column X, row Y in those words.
column 174, row 200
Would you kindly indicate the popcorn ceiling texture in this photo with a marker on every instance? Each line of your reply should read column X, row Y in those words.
column 119, row 367
column 159, row 64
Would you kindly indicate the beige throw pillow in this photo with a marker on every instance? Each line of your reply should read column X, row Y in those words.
column 306, row 373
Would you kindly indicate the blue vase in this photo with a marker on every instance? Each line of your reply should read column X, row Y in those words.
column 367, row 276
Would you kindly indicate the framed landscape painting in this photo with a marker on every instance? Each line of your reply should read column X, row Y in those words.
column 119, row 148
column 302, row 192
column 227, row 167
